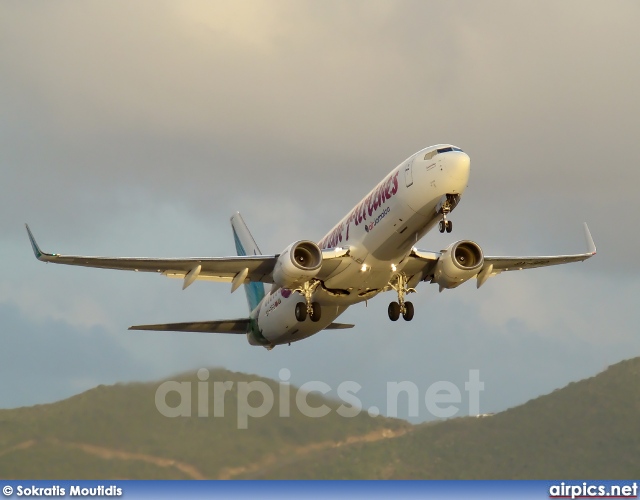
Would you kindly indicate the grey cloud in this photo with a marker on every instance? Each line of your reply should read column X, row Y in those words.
column 42, row 362
column 139, row 128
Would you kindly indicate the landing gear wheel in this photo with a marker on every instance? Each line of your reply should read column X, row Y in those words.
column 408, row 311
column 449, row 226
column 301, row 311
column 400, row 284
column 306, row 308
column 441, row 226
column 316, row 312
column 394, row 311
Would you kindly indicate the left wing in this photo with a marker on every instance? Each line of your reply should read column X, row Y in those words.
column 236, row 269
column 421, row 263
column 259, row 267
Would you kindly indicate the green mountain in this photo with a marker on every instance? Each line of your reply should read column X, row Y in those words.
column 117, row 432
column 585, row 430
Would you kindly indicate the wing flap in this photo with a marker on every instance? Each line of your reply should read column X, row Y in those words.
column 236, row 326
column 420, row 263
column 519, row 263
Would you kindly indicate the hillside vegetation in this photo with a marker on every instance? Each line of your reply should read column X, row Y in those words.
column 117, row 432
column 588, row 429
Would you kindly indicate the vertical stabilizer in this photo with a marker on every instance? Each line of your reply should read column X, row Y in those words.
column 246, row 245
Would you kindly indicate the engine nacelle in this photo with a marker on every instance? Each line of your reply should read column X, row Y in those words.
column 297, row 264
column 461, row 261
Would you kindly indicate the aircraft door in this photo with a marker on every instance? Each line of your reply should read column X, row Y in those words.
column 408, row 174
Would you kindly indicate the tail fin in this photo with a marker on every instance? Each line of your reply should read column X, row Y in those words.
column 246, row 245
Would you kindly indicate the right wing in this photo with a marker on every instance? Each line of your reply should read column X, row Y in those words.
column 421, row 264
column 236, row 269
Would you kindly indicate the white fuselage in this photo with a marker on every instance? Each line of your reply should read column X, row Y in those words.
column 380, row 232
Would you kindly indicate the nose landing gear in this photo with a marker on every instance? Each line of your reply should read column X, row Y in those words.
column 445, row 225
column 401, row 307
column 448, row 203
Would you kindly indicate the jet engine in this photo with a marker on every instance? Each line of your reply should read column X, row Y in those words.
column 459, row 262
column 297, row 264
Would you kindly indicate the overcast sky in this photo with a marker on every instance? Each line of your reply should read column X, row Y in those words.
column 138, row 128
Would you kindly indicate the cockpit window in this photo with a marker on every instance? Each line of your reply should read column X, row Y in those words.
column 431, row 154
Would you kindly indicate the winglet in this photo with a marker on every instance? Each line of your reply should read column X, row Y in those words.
column 591, row 246
column 36, row 249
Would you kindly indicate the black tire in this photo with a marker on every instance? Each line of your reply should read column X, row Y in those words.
column 316, row 314
column 301, row 311
column 441, row 226
column 394, row 311
column 449, row 226
column 408, row 311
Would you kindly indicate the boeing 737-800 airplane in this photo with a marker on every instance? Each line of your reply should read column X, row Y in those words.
column 371, row 250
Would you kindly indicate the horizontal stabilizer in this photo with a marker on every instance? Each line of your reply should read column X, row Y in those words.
column 339, row 326
column 238, row 326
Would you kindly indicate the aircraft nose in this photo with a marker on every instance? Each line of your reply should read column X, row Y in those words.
column 458, row 166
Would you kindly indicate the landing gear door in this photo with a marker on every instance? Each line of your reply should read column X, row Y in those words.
column 408, row 174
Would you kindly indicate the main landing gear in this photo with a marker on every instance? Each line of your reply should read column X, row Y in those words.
column 401, row 307
column 302, row 311
column 308, row 308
